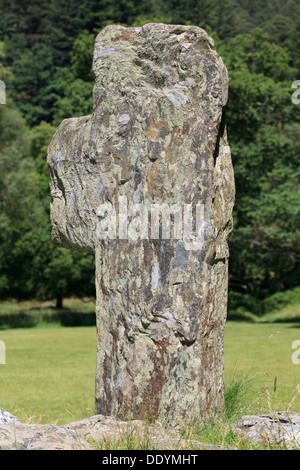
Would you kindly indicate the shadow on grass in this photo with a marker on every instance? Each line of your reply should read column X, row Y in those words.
column 36, row 316
column 234, row 315
column 248, row 317
column 30, row 317
column 294, row 322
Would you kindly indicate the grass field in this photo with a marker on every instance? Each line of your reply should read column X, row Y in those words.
column 49, row 371
column 263, row 353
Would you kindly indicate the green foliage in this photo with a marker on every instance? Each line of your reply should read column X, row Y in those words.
column 243, row 303
column 262, row 128
column 56, row 272
column 46, row 62
column 30, row 265
column 40, row 137
column 33, row 84
column 77, row 98
column 293, row 44
column 82, row 56
column 75, row 83
column 141, row 20
column 17, row 190
column 282, row 299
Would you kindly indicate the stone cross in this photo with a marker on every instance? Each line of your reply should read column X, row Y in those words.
column 146, row 183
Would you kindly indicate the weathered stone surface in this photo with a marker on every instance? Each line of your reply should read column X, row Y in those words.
column 92, row 433
column 106, row 429
column 19, row 436
column 156, row 136
column 6, row 417
column 281, row 429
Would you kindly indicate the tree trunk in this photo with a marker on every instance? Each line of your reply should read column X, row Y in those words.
column 59, row 302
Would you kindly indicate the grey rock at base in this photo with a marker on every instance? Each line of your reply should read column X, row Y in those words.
column 91, row 433
column 107, row 429
column 19, row 436
column 281, row 428
column 7, row 418
column 156, row 136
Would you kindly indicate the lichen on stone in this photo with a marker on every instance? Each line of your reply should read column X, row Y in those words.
column 156, row 135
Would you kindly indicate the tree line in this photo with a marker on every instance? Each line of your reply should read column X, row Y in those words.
column 46, row 52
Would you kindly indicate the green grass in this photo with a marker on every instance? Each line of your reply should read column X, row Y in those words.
column 50, row 372
column 264, row 352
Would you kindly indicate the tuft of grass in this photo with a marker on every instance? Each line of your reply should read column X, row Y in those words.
column 240, row 394
column 133, row 439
